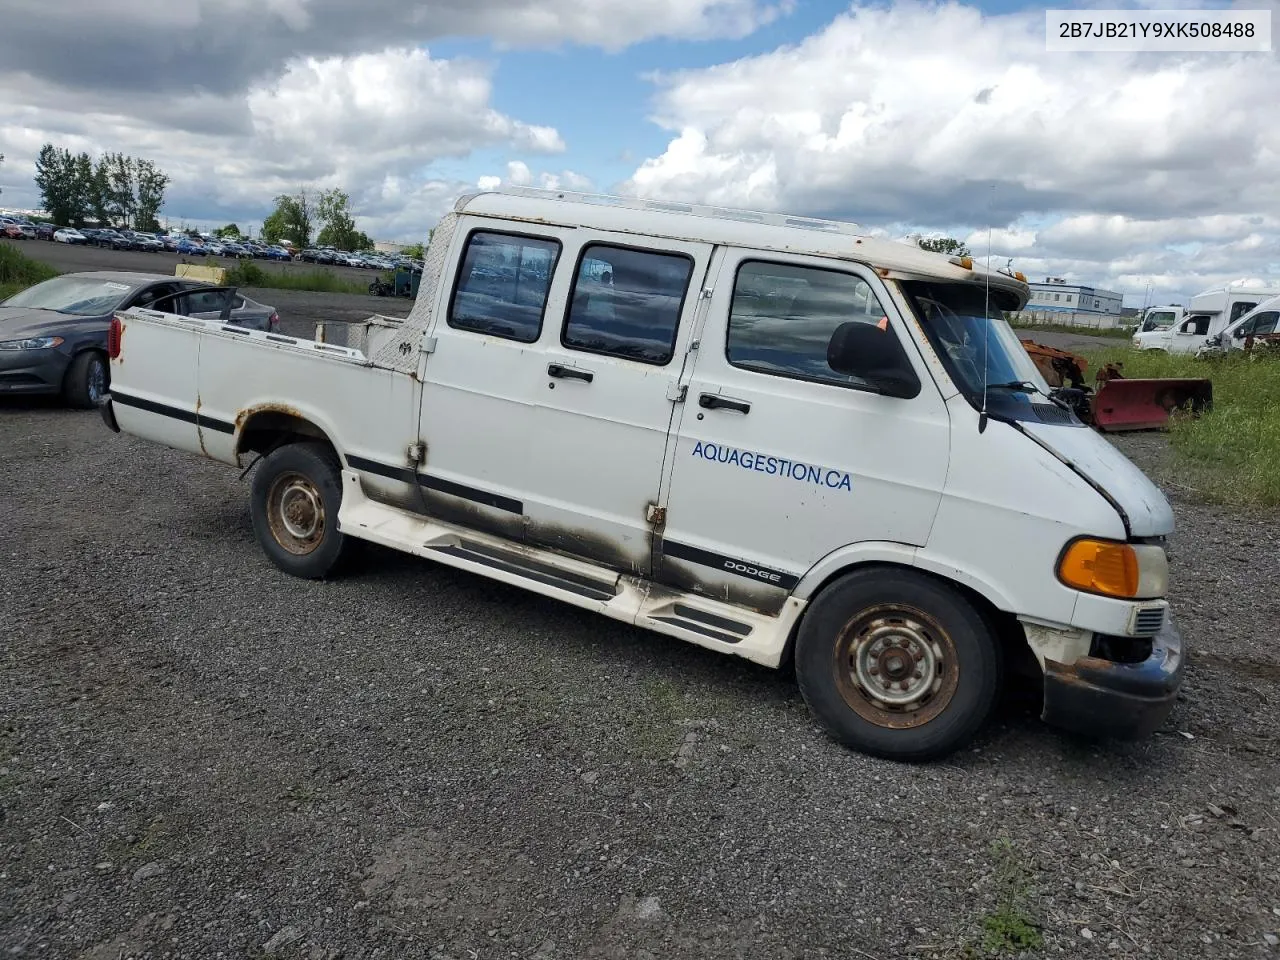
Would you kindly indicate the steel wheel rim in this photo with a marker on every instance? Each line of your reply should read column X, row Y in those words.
column 896, row 666
column 96, row 381
column 295, row 513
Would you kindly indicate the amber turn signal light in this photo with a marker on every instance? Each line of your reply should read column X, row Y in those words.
column 1100, row 566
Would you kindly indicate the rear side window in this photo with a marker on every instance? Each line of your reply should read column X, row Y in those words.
column 502, row 285
column 1238, row 310
column 783, row 315
column 627, row 303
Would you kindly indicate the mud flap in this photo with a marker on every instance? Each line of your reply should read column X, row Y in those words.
column 1124, row 404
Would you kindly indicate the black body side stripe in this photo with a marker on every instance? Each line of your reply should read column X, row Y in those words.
column 699, row 629
column 403, row 474
column 743, row 568
column 710, row 619
column 440, row 485
column 177, row 413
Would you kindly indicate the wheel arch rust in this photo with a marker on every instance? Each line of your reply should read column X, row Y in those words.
column 266, row 426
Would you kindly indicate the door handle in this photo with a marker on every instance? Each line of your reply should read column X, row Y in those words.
column 569, row 373
column 713, row 401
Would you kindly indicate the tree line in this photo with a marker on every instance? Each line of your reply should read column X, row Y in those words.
column 296, row 215
column 116, row 189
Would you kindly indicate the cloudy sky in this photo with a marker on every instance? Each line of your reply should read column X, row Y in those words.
column 1128, row 171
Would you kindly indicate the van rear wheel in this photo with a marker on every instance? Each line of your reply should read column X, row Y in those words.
column 897, row 664
column 295, row 498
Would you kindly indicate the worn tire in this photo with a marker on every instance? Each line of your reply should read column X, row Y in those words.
column 86, row 380
column 873, row 625
column 295, row 497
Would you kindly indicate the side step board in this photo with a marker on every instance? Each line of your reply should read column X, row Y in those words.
column 687, row 616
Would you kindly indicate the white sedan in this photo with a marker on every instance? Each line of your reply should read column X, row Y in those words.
column 69, row 235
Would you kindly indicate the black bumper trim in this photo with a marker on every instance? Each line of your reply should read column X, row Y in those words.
column 1100, row 698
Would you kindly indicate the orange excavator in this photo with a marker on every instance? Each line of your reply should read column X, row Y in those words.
column 1118, row 402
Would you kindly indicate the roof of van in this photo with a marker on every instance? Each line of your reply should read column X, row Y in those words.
column 727, row 226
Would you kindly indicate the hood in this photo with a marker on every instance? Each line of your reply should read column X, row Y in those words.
column 19, row 323
column 1147, row 510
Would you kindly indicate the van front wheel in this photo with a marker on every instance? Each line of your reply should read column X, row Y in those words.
column 897, row 664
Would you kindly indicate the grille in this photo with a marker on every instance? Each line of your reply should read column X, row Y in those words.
column 1147, row 623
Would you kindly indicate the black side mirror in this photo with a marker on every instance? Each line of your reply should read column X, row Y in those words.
column 871, row 353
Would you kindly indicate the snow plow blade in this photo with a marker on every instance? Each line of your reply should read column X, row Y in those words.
column 1124, row 404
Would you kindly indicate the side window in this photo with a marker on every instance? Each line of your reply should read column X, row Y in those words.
column 626, row 303
column 782, row 318
column 205, row 301
column 1238, row 310
column 502, row 285
column 1265, row 323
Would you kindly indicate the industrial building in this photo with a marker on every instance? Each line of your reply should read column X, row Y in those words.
column 1055, row 293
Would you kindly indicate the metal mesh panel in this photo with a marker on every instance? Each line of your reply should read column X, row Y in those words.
column 401, row 351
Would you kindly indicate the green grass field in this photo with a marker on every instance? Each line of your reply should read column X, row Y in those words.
column 1232, row 453
column 246, row 273
column 18, row 271
column 1068, row 328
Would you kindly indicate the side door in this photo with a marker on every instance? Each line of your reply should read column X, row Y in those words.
column 608, row 384
column 483, row 379
column 779, row 460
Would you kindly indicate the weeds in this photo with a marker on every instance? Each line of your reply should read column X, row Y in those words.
column 1009, row 928
column 1118, row 333
column 18, row 271
column 246, row 273
column 1230, row 454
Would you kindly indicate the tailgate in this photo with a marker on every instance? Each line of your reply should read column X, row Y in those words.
column 153, row 379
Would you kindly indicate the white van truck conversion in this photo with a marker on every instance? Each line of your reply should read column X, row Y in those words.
column 1261, row 321
column 766, row 435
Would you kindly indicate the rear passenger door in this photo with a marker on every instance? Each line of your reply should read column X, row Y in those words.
column 608, row 381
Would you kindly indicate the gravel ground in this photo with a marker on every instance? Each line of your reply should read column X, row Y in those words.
column 200, row 757
column 299, row 309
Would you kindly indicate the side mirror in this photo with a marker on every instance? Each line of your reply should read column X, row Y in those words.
column 871, row 353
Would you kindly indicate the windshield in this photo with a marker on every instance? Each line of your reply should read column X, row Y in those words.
column 81, row 296
column 966, row 326
column 973, row 334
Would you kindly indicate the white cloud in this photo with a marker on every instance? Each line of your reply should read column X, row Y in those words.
column 518, row 174
column 939, row 117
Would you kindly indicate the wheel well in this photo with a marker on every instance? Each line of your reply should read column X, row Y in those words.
column 267, row 430
column 1005, row 626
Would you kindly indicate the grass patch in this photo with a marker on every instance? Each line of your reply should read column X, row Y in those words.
column 1114, row 332
column 1232, row 453
column 246, row 273
column 1009, row 928
column 18, row 271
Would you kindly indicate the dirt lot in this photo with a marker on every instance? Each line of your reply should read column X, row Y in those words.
column 200, row 757
column 299, row 309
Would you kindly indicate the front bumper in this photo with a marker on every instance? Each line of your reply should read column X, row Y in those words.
column 1103, row 698
column 32, row 371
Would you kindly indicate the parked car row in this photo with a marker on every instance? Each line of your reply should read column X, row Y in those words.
column 122, row 239
column 347, row 258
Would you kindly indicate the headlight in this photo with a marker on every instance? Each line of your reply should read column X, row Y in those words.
column 35, row 343
column 1132, row 571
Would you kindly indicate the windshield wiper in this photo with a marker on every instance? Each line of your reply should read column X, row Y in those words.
column 1061, row 396
column 1015, row 386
